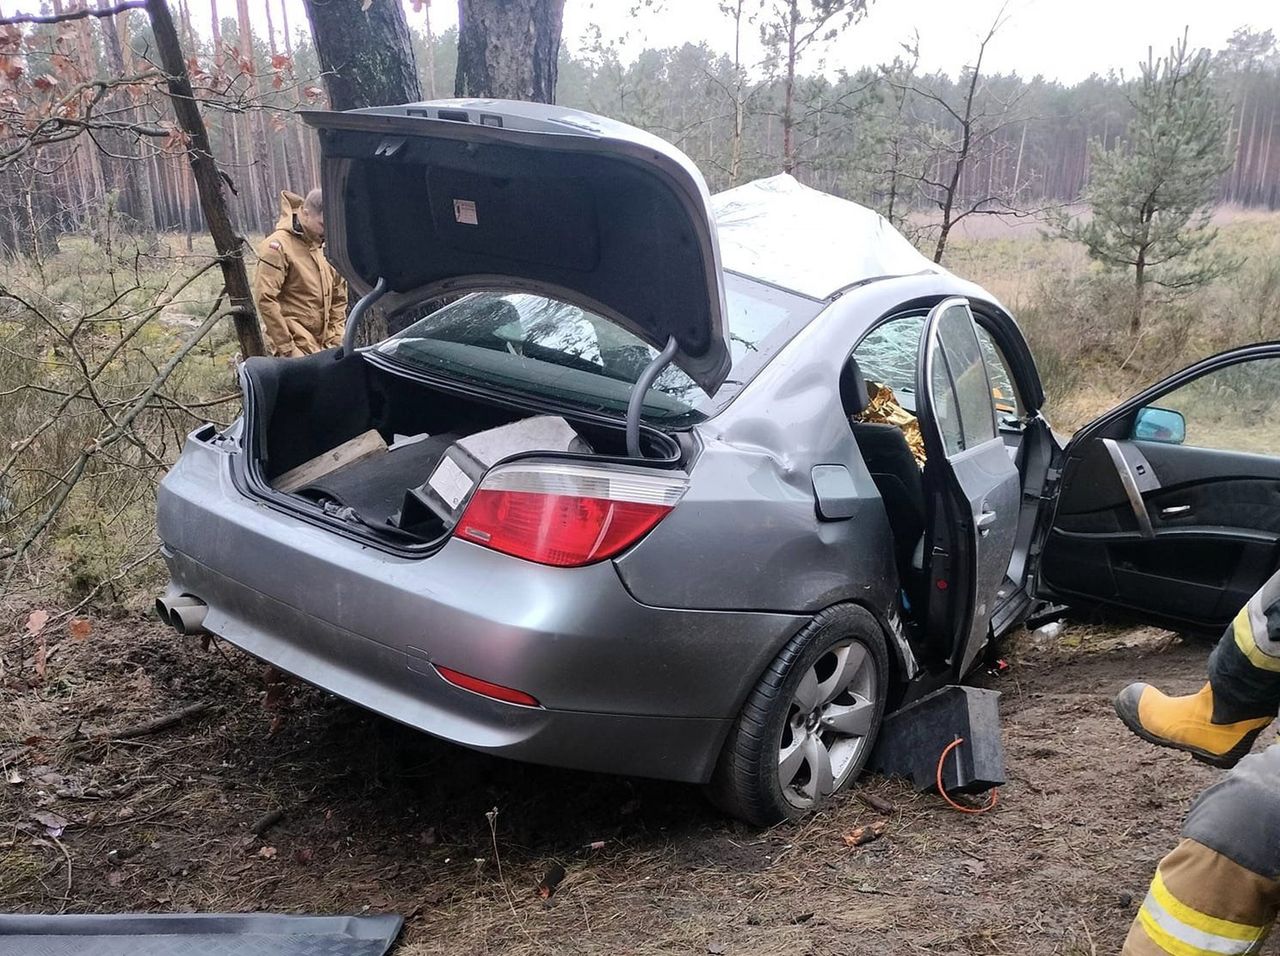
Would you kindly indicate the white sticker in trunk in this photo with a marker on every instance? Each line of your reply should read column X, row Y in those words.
column 450, row 482
column 464, row 210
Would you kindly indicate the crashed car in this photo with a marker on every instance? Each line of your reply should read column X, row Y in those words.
column 611, row 499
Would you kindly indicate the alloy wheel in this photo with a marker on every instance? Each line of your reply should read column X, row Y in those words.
column 828, row 722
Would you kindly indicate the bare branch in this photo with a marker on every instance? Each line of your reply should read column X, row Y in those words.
column 73, row 15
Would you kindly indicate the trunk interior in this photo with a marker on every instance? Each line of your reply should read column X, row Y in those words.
column 305, row 407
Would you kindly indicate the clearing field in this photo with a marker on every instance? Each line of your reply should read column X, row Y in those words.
column 378, row 817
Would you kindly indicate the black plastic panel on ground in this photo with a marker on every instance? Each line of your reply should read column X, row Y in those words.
column 252, row 934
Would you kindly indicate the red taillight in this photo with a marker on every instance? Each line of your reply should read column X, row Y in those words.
column 483, row 687
column 566, row 515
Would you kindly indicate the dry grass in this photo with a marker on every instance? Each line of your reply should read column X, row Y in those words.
column 1075, row 314
column 378, row 816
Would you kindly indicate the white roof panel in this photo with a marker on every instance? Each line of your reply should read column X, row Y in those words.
column 783, row 232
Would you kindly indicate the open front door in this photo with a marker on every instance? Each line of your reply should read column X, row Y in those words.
column 973, row 486
column 1169, row 505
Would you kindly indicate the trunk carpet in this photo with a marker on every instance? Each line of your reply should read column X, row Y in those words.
column 202, row 934
column 374, row 488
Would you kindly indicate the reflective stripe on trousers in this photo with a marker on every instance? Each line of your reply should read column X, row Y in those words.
column 1202, row 902
column 1176, row 928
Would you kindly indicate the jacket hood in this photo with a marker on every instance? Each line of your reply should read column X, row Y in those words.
column 290, row 206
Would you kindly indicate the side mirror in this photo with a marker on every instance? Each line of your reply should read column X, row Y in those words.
column 1160, row 424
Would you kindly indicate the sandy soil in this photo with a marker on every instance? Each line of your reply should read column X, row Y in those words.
column 378, row 818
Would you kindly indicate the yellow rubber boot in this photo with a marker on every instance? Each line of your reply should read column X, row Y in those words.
column 1186, row 723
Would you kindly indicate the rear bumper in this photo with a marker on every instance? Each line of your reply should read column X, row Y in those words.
column 625, row 688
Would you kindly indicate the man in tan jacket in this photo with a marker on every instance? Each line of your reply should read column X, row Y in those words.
column 301, row 298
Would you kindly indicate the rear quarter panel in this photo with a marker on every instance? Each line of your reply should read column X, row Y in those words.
column 747, row 534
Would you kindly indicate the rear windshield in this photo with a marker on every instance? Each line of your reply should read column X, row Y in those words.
column 550, row 349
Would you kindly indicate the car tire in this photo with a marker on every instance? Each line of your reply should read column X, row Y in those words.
column 786, row 719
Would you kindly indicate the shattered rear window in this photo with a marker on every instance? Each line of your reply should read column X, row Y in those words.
column 552, row 349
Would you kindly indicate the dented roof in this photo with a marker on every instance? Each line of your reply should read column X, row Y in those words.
column 811, row 242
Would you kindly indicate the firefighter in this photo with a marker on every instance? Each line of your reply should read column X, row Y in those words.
column 1218, row 890
column 301, row 298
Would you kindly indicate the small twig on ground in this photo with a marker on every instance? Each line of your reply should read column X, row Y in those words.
column 267, row 821
column 158, row 724
column 109, row 793
column 67, row 895
column 878, row 804
column 217, row 646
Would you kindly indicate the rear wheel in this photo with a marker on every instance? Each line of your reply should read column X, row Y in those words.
column 808, row 727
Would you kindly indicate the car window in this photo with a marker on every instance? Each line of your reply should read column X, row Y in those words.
column 963, row 359
column 552, row 349
column 1236, row 408
column 889, row 353
column 942, row 400
column 1004, row 393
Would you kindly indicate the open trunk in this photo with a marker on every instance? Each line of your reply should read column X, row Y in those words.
column 298, row 410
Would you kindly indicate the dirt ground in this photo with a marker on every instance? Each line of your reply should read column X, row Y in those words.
column 378, row 818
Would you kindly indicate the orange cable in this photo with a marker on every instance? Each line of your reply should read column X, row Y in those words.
column 995, row 791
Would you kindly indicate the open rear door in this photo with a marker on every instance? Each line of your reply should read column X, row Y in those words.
column 1169, row 504
column 973, row 485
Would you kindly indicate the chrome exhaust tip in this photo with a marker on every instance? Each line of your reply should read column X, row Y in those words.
column 188, row 619
column 183, row 612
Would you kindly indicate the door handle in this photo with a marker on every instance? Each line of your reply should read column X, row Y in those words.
column 1174, row 510
column 985, row 521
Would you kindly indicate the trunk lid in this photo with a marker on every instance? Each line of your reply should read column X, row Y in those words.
column 455, row 195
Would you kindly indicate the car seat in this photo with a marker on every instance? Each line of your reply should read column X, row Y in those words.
column 893, row 468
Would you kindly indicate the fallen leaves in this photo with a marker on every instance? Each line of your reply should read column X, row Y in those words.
column 860, row 836
column 36, row 621
column 80, row 628
column 267, row 853
column 53, row 824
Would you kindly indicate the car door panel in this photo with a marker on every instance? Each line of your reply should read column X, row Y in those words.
column 992, row 484
column 970, row 464
column 1181, row 534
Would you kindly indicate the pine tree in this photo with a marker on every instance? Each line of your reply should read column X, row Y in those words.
column 1150, row 192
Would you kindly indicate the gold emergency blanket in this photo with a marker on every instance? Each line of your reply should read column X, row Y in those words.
column 884, row 408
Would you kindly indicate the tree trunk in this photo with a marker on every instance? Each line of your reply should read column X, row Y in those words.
column 259, row 167
column 509, row 49
column 1139, row 292
column 134, row 194
column 431, row 50
column 366, row 55
column 299, row 166
column 789, row 95
column 217, row 37
column 208, row 178
column 281, row 169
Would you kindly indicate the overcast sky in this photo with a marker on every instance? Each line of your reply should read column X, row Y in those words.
column 1061, row 39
